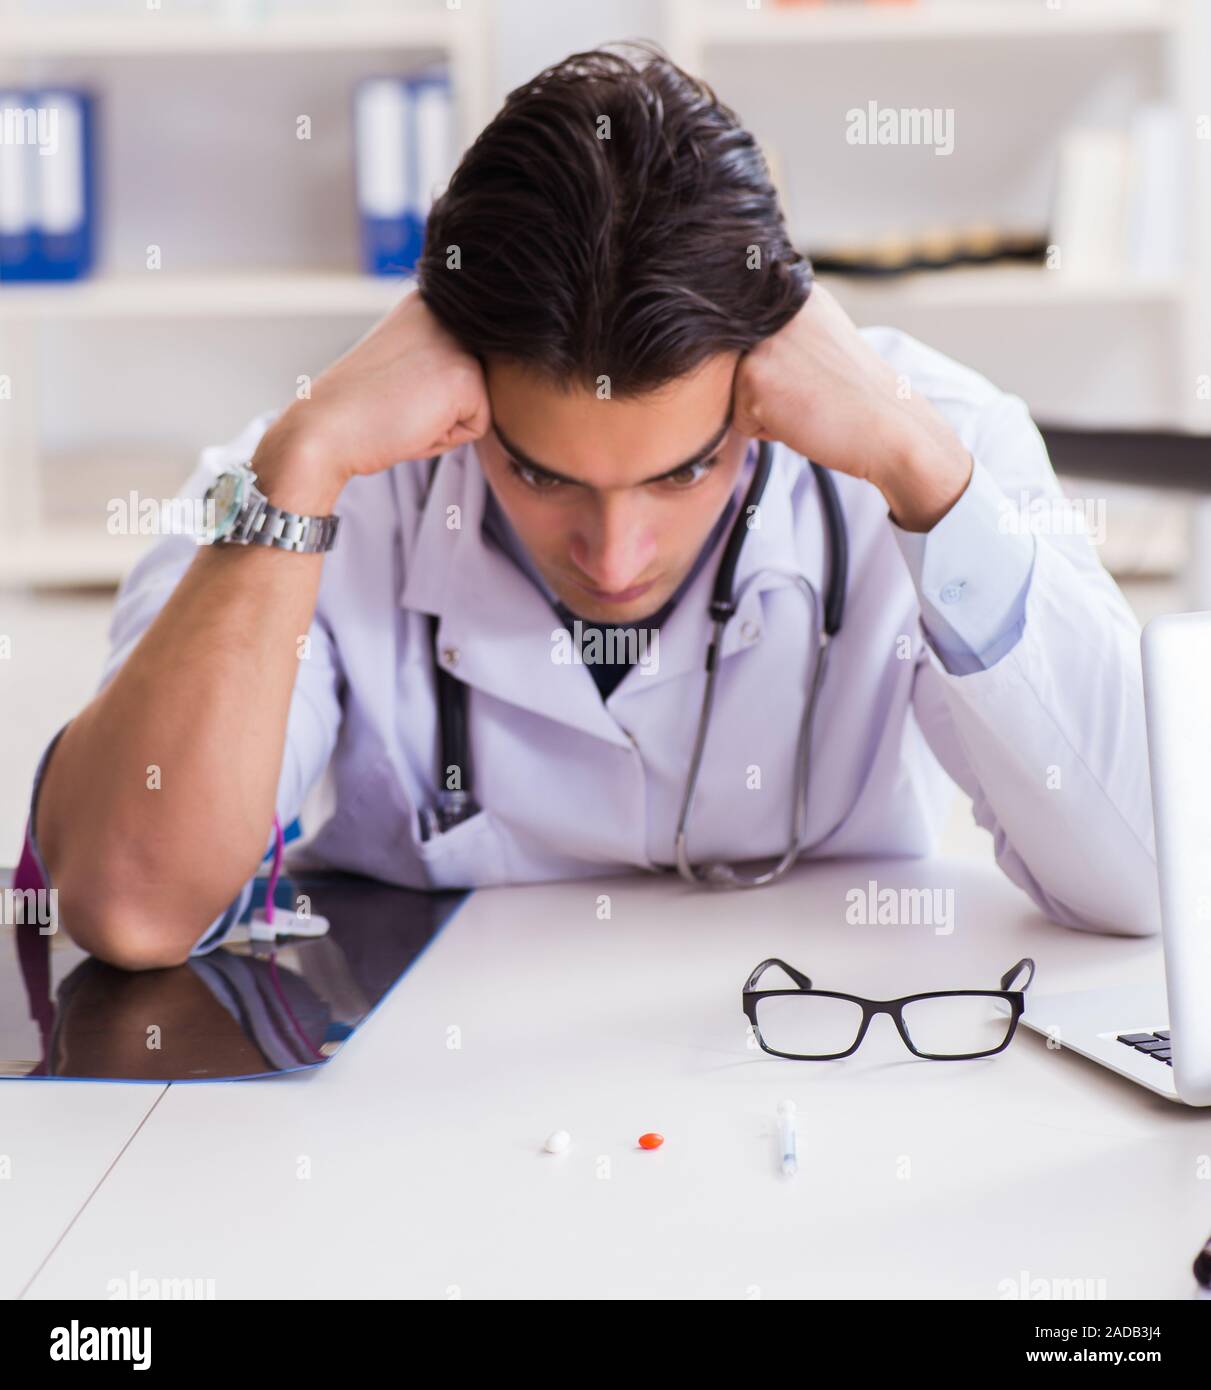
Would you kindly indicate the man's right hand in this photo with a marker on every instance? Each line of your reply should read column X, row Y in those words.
column 405, row 391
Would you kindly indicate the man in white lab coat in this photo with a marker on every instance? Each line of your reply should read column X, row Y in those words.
column 609, row 318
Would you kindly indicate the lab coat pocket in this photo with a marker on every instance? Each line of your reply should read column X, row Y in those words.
column 468, row 855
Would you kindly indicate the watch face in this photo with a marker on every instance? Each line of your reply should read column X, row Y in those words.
column 225, row 497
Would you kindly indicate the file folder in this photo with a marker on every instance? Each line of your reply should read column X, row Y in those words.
column 47, row 185
column 402, row 135
column 18, row 150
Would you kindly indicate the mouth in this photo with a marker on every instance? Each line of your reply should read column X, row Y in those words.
column 619, row 596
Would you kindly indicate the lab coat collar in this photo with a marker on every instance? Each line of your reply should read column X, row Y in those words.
column 497, row 632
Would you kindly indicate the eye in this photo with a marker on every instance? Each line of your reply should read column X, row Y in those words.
column 535, row 481
column 687, row 477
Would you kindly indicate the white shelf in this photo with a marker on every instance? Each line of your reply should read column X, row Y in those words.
column 153, row 294
column 156, row 33
column 69, row 554
column 947, row 20
column 989, row 288
column 316, row 294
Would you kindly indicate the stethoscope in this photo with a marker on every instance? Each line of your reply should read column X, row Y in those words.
column 456, row 804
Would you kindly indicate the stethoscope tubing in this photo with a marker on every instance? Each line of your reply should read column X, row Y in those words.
column 721, row 875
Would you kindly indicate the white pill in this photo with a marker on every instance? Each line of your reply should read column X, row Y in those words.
column 557, row 1142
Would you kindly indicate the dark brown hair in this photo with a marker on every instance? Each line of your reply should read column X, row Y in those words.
column 629, row 256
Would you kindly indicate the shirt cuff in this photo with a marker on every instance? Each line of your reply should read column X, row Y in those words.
column 972, row 574
column 31, row 856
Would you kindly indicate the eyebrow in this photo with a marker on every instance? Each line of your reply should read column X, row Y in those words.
column 699, row 456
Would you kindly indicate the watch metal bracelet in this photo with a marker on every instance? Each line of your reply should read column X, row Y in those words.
column 270, row 525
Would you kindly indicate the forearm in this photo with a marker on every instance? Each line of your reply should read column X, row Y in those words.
column 923, row 468
column 158, row 798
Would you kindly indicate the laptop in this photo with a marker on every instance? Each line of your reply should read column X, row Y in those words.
column 1161, row 1037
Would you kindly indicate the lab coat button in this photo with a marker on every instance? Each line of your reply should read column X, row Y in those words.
column 952, row 593
column 750, row 631
column 450, row 656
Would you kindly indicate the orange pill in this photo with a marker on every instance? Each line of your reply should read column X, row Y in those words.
column 651, row 1141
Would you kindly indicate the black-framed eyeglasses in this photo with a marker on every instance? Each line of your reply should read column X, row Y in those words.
column 806, row 1024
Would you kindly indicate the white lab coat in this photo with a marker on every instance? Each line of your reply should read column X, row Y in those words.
column 1046, row 735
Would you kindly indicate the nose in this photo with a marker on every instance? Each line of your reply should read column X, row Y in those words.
column 614, row 547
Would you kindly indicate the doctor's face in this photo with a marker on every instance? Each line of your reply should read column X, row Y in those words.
column 613, row 499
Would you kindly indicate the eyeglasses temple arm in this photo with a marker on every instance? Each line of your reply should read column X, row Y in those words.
column 799, row 978
column 1014, row 971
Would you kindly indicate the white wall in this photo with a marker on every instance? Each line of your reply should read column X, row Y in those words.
column 532, row 34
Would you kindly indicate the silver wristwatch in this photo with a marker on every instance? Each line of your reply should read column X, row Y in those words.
column 239, row 513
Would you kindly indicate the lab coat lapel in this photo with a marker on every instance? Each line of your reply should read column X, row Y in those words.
column 496, row 631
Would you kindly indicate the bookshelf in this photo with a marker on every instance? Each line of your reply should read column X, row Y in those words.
column 72, row 349
column 1019, row 73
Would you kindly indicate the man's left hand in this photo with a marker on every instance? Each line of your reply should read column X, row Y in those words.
column 820, row 388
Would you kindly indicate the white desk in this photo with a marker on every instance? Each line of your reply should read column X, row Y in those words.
column 428, row 1179
column 60, row 1139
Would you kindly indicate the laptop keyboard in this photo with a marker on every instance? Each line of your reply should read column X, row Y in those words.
column 1154, row 1044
